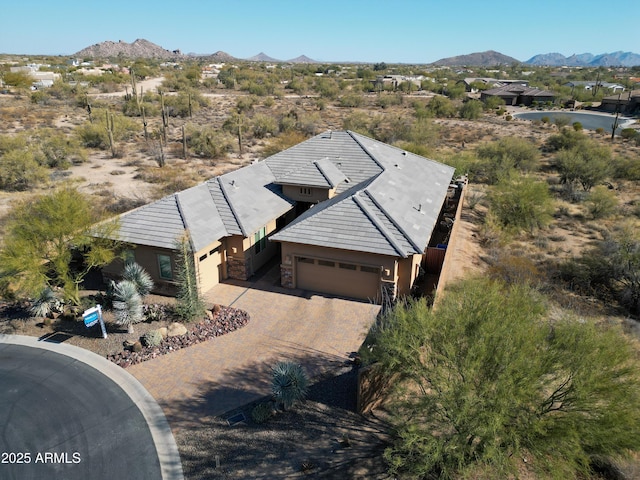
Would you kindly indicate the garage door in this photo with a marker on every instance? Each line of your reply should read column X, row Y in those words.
column 338, row 278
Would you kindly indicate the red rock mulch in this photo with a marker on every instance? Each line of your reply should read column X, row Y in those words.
column 226, row 320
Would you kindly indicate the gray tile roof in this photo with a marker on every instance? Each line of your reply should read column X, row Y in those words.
column 393, row 212
column 237, row 203
column 388, row 200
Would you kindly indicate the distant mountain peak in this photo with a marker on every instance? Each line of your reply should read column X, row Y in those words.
column 140, row 48
column 262, row 57
column 489, row 58
column 302, row 59
column 615, row 59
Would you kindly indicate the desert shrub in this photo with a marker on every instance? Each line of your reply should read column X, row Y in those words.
column 471, row 110
column 508, row 118
column 19, row 170
column 441, row 107
column 263, row 125
column 626, row 168
column 545, row 119
column 601, row 202
column 56, row 150
column 183, row 104
column 153, row 338
column 629, row 133
column 189, row 303
column 611, row 269
column 154, row 312
column 562, row 121
column 208, row 142
column 565, row 140
column 514, row 269
column 510, row 151
column 262, row 412
column 289, row 383
column 246, row 103
column 95, row 135
column 351, row 100
column 577, row 126
column 357, row 122
column 587, row 164
column 494, row 103
column 309, row 123
column 600, row 131
column 521, row 203
column 386, row 100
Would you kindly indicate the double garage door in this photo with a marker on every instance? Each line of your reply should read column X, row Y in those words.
column 338, row 278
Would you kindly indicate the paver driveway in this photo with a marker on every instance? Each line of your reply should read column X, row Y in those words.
column 227, row 372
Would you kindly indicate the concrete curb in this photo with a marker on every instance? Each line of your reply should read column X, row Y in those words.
column 165, row 444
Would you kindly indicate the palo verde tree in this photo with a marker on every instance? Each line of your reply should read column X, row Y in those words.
column 486, row 379
column 53, row 241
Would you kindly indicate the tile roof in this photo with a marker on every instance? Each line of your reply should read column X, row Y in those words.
column 393, row 212
column 388, row 200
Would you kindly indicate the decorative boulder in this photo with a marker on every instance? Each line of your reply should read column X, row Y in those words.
column 176, row 329
column 163, row 331
column 137, row 347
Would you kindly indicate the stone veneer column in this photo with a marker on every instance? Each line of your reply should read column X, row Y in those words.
column 388, row 291
column 237, row 268
column 286, row 276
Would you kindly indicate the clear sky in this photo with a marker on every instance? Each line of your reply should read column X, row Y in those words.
column 391, row 31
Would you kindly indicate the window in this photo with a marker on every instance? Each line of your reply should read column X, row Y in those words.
column 260, row 240
column 306, row 260
column 347, row 266
column 326, row 263
column 364, row 268
column 203, row 257
column 306, row 191
column 215, row 250
column 164, row 263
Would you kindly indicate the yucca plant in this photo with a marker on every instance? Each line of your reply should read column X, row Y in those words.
column 289, row 384
column 127, row 304
column 139, row 277
column 46, row 304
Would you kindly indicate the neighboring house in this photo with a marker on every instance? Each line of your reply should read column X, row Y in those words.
column 471, row 83
column 519, row 95
column 348, row 216
column 589, row 85
column 626, row 102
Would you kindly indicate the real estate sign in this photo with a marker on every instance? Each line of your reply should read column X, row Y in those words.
column 92, row 316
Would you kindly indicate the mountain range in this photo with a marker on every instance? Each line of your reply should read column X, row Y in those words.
column 145, row 49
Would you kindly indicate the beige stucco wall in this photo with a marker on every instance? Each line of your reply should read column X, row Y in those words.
column 208, row 263
column 407, row 273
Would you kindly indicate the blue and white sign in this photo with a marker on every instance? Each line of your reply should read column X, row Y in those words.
column 92, row 316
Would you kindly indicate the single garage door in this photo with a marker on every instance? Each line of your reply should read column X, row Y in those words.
column 338, row 278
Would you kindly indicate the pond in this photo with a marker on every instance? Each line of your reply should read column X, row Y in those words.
column 591, row 121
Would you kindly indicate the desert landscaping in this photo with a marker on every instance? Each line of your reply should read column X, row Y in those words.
column 180, row 129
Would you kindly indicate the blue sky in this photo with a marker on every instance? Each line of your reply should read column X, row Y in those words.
column 400, row 31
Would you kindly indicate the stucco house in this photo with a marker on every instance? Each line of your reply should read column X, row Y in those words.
column 346, row 214
column 518, row 95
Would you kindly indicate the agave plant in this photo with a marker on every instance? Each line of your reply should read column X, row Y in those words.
column 289, row 383
column 46, row 304
column 127, row 304
column 139, row 277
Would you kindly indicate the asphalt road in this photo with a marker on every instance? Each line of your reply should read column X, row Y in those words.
column 63, row 419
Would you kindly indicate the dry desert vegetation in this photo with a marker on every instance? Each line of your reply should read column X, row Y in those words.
column 229, row 128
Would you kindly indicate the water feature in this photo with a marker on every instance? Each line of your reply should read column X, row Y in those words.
column 591, row 121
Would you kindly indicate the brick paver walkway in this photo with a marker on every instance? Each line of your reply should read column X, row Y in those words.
column 227, row 372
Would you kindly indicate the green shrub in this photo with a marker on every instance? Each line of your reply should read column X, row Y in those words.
column 153, row 338
column 601, row 202
column 521, row 204
column 577, row 126
column 626, row 168
column 263, row 125
column 600, row 131
column 545, row 119
column 262, row 412
column 351, row 100
column 471, row 110
column 629, row 133
column 289, row 383
column 209, row 142
column 19, row 170
column 508, row 118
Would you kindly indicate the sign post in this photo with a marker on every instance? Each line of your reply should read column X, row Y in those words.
column 92, row 316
